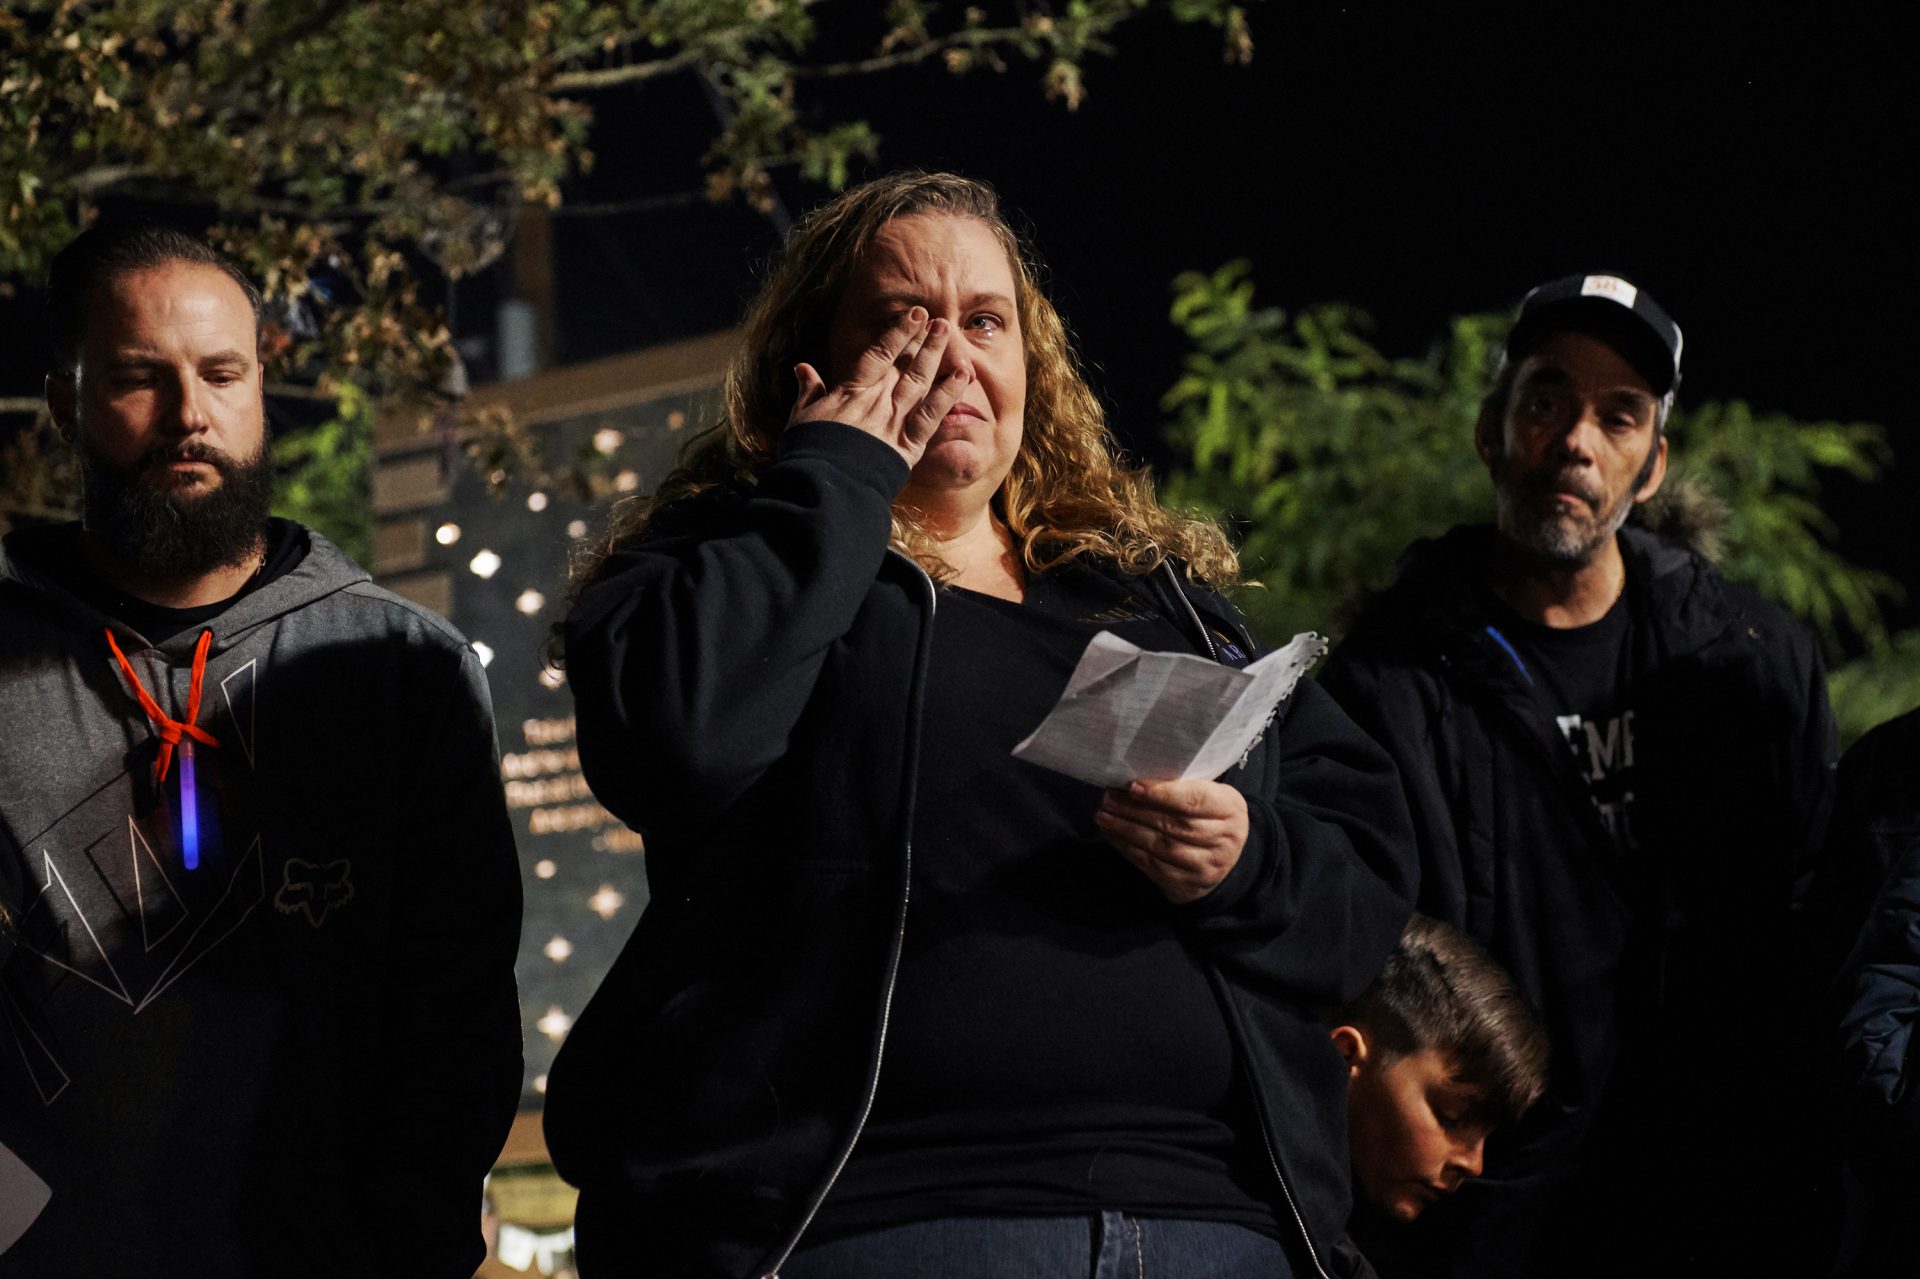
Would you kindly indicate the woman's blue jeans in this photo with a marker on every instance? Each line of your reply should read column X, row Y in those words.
column 1107, row 1245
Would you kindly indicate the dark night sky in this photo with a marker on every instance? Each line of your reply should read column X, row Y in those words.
column 1421, row 164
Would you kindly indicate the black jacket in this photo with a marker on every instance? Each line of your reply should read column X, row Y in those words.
column 1875, row 866
column 748, row 683
column 1648, row 969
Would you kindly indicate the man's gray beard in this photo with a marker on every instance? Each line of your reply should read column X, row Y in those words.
column 162, row 535
column 1551, row 540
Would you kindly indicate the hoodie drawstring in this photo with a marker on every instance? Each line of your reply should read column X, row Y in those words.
column 169, row 730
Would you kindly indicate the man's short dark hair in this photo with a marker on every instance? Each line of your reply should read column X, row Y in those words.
column 104, row 253
column 1441, row 990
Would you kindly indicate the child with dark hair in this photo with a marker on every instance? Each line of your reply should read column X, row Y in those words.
column 1441, row 1050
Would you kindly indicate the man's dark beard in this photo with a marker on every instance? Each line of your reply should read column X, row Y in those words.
column 168, row 534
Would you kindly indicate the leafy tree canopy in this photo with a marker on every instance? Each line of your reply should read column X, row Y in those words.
column 1328, row 457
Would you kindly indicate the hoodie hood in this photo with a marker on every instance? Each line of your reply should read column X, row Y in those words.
column 27, row 553
column 1686, row 512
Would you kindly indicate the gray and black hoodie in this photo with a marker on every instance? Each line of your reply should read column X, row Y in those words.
column 257, row 1008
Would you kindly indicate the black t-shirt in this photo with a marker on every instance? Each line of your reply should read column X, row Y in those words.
column 1583, row 675
column 287, row 545
column 1054, row 1046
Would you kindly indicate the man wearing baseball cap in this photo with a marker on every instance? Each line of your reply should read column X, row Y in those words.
column 1619, row 764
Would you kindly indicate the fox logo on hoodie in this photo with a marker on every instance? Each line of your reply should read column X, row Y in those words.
column 314, row 888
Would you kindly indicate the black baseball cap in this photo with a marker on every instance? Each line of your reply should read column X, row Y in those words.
column 1614, row 310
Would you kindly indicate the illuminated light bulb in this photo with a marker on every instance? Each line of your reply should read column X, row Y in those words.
column 555, row 1024
column 627, row 481
column 607, row 902
column 578, row 528
column 551, row 678
column 540, row 1084
column 558, row 949
column 544, row 868
column 485, row 564
column 606, row 440
column 447, row 534
column 536, row 501
column 530, row 601
column 482, row 652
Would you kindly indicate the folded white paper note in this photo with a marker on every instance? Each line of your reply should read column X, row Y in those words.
column 1127, row 713
column 22, row 1196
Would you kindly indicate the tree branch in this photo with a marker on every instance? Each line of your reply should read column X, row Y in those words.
column 181, row 190
column 908, row 57
column 99, row 178
column 640, row 204
column 627, row 39
column 609, row 77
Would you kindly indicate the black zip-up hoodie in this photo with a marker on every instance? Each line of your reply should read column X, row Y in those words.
column 1671, row 979
column 748, row 685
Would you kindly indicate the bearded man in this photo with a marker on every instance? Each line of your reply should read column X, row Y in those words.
column 259, row 904
column 1619, row 767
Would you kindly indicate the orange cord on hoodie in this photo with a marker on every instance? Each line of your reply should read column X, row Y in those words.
column 170, row 731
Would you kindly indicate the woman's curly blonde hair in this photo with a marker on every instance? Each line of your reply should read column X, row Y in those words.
column 1068, row 493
